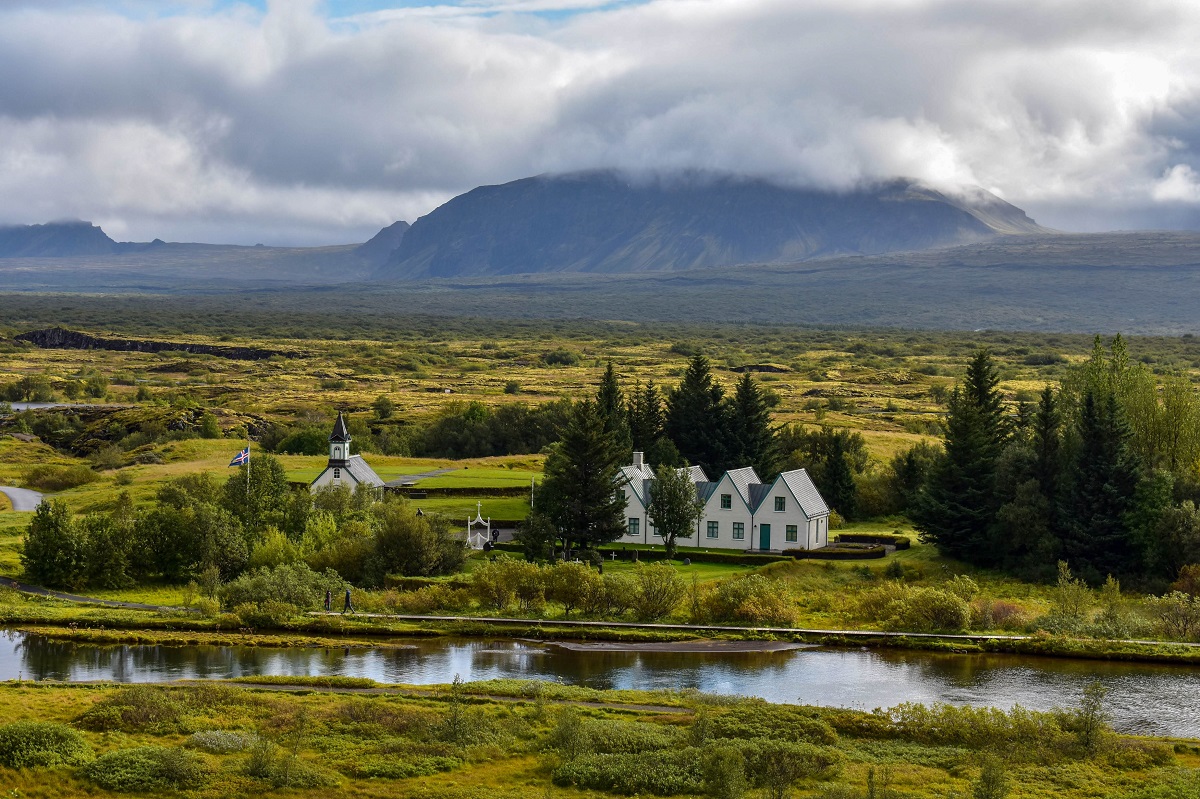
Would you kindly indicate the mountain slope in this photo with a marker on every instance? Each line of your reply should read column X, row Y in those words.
column 383, row 243
column 56, row 239
column 606, row 222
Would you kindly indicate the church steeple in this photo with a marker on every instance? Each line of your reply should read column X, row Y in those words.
column 339, row 442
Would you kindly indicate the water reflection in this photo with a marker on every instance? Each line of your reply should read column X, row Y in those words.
column 1143, row 698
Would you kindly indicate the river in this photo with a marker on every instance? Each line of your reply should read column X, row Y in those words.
column 1143, row 698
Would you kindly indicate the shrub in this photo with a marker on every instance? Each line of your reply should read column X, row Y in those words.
column 499, row 583
column 775, row 765
column 51, row 478
column 659, row 589
column 561, row 357
column 430, row 599
column 135, row 708
column 887, row 539
column 1177, row 615
column 663, row 773
column 221, row 742
column 840, row 552
column 146, row 768
column 753, row 599
column 28, row 744
column 265, row 614
column 574, row 585
column 928, row 609
column 996, row 614
column 755, row 719
column 1189, row 580
column 291, row 584
column 724, row 773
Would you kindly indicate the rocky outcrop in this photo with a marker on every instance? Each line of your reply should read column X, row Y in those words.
column 58, row 338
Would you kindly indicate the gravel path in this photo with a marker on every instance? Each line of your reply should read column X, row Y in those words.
column 412, row 478
column 21, row 498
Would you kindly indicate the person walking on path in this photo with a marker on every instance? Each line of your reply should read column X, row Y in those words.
column 349, row 607
column 328, row 601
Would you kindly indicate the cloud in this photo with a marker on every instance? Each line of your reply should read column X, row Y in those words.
column 306, row 122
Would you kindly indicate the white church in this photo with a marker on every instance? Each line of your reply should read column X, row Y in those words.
column 740, row 511
column 344, row 468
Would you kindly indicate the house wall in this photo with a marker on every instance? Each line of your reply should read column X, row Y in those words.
column 725, row 519
column 635, row 510
column 779, row 521
column 333, row 477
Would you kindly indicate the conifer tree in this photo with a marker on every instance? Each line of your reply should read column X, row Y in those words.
column 579, row 492
column 752, row 441
column 957, row 511
column 610, row 403
column 1103, row 479
column 838, row 486
column 1047, row 444
column 697, row 421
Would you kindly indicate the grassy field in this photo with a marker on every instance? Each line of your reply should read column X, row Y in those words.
column 229, row 739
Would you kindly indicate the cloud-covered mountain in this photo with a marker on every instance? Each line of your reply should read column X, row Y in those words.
column 55, row 239
column 609, row 222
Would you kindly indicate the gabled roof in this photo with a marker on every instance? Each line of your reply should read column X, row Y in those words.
column 695, row 473
column 705, row 490
column 805, row 492
column 743, row 478
column 340, row 433
column 737, row 490
column 361, row 472
column 758, row 492
column 636, row 478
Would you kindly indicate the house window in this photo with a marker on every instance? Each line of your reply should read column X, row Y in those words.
column 633, row 526
column 739, row 531
column 790, row 534
column 780, row 503
column 726, row 501
column 337, row 474
column 712, row 529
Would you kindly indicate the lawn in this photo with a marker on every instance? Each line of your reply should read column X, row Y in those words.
column 459, row 508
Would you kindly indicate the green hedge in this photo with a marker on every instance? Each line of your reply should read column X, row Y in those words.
column 650, row 554
column 887, row 539
column 864, row 552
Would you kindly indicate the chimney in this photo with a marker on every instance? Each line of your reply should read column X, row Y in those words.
column 637, row 460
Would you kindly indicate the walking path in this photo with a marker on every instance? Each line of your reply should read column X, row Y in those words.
column 412, row 478
column 21, row 498
column 37, row 590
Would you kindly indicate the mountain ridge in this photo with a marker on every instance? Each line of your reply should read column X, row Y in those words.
column 606, row 222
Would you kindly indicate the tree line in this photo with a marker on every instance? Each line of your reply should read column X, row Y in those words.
column 1101, row 473
column 201, row 528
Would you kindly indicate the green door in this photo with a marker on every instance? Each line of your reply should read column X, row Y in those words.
column 764, row 536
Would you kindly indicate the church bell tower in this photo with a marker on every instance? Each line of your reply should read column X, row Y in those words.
column 339, row 443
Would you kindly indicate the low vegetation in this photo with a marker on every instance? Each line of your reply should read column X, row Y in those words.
column 227, row 740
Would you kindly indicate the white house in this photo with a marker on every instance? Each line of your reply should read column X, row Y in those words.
column 740, row 511
column 344, row 468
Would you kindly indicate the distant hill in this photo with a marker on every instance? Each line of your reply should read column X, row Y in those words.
column 56, row 239
column 606, row 222
column 383, row 243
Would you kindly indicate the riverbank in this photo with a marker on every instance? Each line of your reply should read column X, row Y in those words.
column 510, row 739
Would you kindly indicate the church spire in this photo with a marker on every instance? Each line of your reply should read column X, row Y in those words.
column 340, row 433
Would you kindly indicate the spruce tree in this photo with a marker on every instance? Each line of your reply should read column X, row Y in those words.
column 1047, row 444
column 697, row 421
column 752, row 441
column 839, row 487
column 1103, row 479
column 957, row 511
column 610, row 403
column 579, row 493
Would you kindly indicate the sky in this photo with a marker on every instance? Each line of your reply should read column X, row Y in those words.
column 307, row 122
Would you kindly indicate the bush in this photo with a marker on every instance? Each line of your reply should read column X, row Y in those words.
column 840, row 552
column 887, row 539
column 752, row 599
column 267, row 614
column 295, row 585
column 663, row 773
column 29, row 744
column 930, row 609
column 755, row 719
column 561, row 357
column 659, row 589
column 136, row 708
column 221, row 742
column 52, row 478
column 146, row 768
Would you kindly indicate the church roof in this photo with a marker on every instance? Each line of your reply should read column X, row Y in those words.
column 362, row 473
column 340, row 433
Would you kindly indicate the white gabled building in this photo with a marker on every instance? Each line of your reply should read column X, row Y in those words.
column 344, row 468
column 740, row 511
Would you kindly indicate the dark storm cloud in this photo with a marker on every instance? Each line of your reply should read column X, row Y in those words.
column 288, row 126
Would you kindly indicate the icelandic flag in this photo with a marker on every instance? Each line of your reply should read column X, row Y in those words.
column 241, row 458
